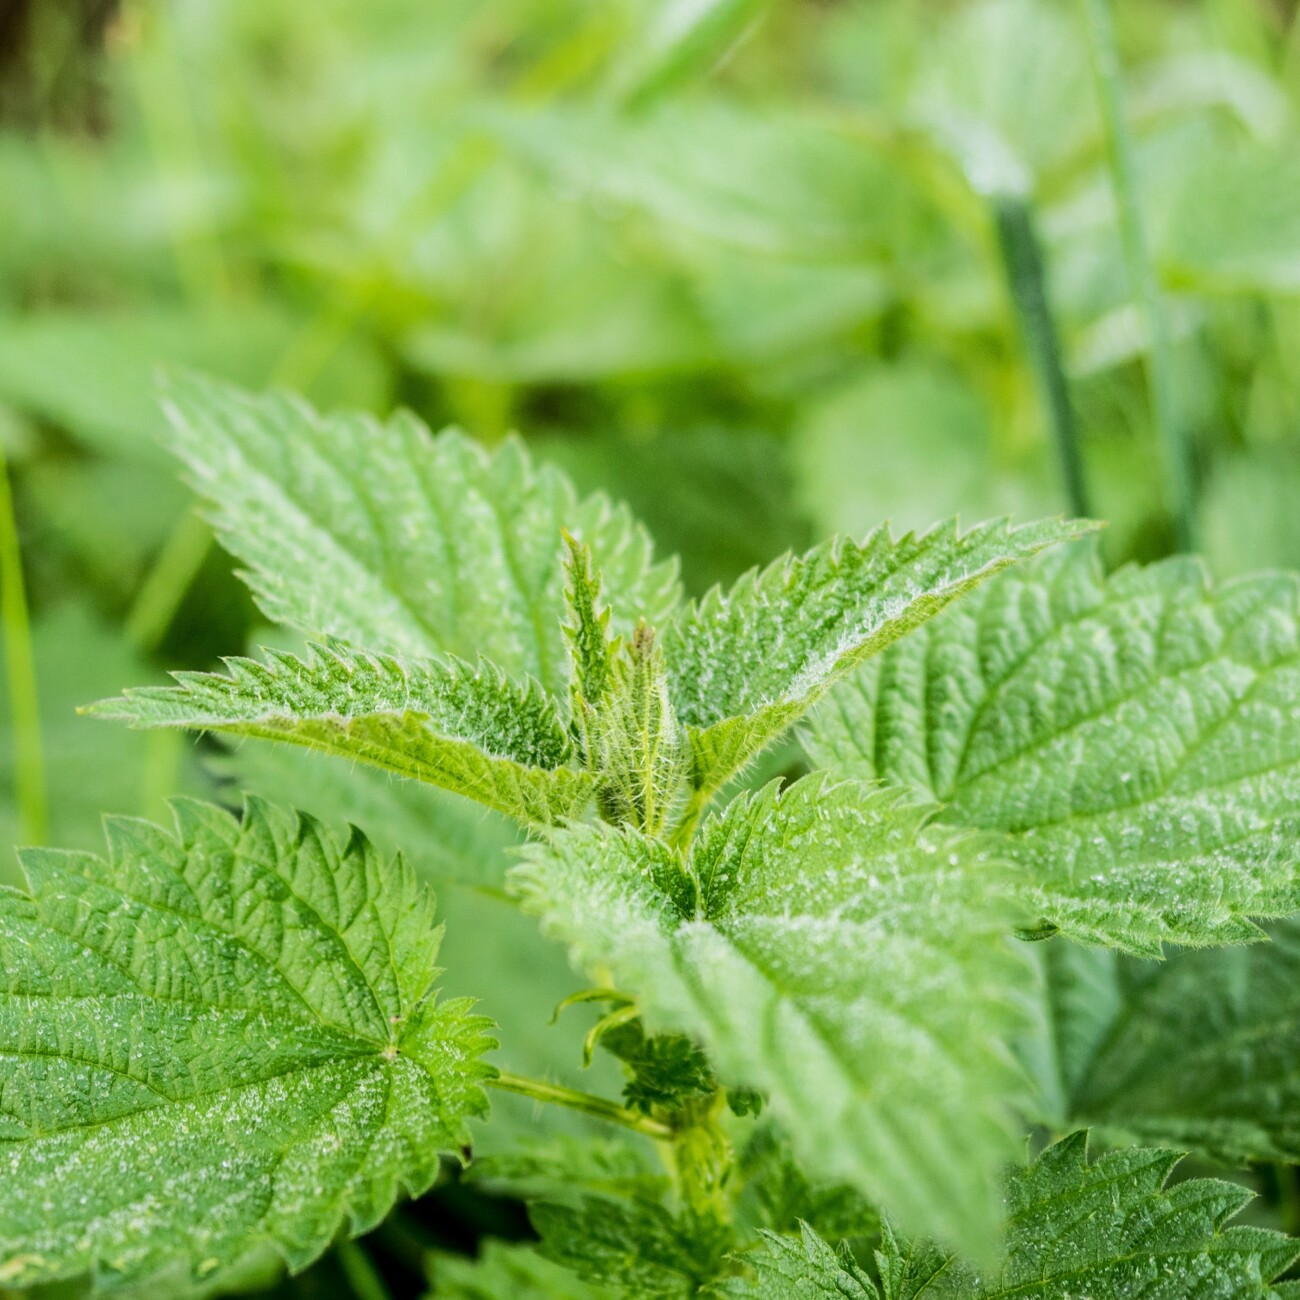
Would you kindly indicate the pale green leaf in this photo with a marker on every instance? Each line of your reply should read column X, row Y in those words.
column 467, row 729
column 831, row 951
column 218, row 1038
column 1199, row 1051
column 389, row 537
column 1111, row 1229
column 747, row 664
column 802, row 1266
column 1135, row 736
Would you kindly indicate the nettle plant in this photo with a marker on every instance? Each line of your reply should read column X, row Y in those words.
column 829, row 992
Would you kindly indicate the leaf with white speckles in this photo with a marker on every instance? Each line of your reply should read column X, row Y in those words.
column 1108, row 1230
column 1138, row 737
column 745, row 665
column 467, row 729
column 388, row 537
column 218, row 1038
column 830, row 949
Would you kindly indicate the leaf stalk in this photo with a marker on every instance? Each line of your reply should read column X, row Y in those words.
column 1141, row 272
column 586, row 1102
column 1026, row 277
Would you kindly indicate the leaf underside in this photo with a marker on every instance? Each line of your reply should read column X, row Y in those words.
column 388, row 537
column 1136, row 737
column 216, row 1039
column 1197, row 1052
column 747, row 664
column 467, row 729
column 799, row 942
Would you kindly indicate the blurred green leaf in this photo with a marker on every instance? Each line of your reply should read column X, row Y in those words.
column 91, row 769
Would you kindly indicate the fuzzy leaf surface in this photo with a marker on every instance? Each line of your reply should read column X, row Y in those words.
column 389, row 537
column 745, row 665
column 1111, row 1228
column 1199, row 1051
column 1137, row 737
column 830, row 950
column 802, row 1266
column 467, row 729
column 215, row 1039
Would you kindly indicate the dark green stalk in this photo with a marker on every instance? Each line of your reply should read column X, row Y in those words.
column 1022, row 262
column 1141, row 272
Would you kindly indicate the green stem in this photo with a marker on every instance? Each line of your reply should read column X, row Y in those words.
column 599, row 1107
column 20, row 658
column 1141, row 272
column 1022, row 262
column 174, row 569
column 360, row 1272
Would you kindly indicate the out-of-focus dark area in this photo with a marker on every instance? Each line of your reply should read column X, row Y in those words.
column 768, row 271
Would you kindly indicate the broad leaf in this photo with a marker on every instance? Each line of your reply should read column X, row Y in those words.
column 388, row 537
column 1199, row 1051
column 215, row 1039
column 830, row 950
column 747, row 664
column 467, row 729
column 1109, row 1228
column 802, row 1266
column 1137, row 737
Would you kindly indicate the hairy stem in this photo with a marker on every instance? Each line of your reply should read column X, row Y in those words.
column 1026, row 276
column 589, row 1104
column 24, row 700
column 1141, row 272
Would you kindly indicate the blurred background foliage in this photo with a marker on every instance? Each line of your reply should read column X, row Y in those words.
column 765, row 270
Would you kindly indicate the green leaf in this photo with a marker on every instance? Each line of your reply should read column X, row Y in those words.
column 745, row 665
column 1109, row 1228
column 111, row 409
column 89, row 769
column 605, row 1210
column 829, row 949
column 509, row 1272
column 467, row 729
column 638, row 1246
column 590, row 644
column 806, row 1266
column 642, row 754
column 217, row 1038
column 388, row 537
column 1198, row 1051
column 1134, row 736
column 666, row 1070
column 672, row 42
column 778, row 1194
